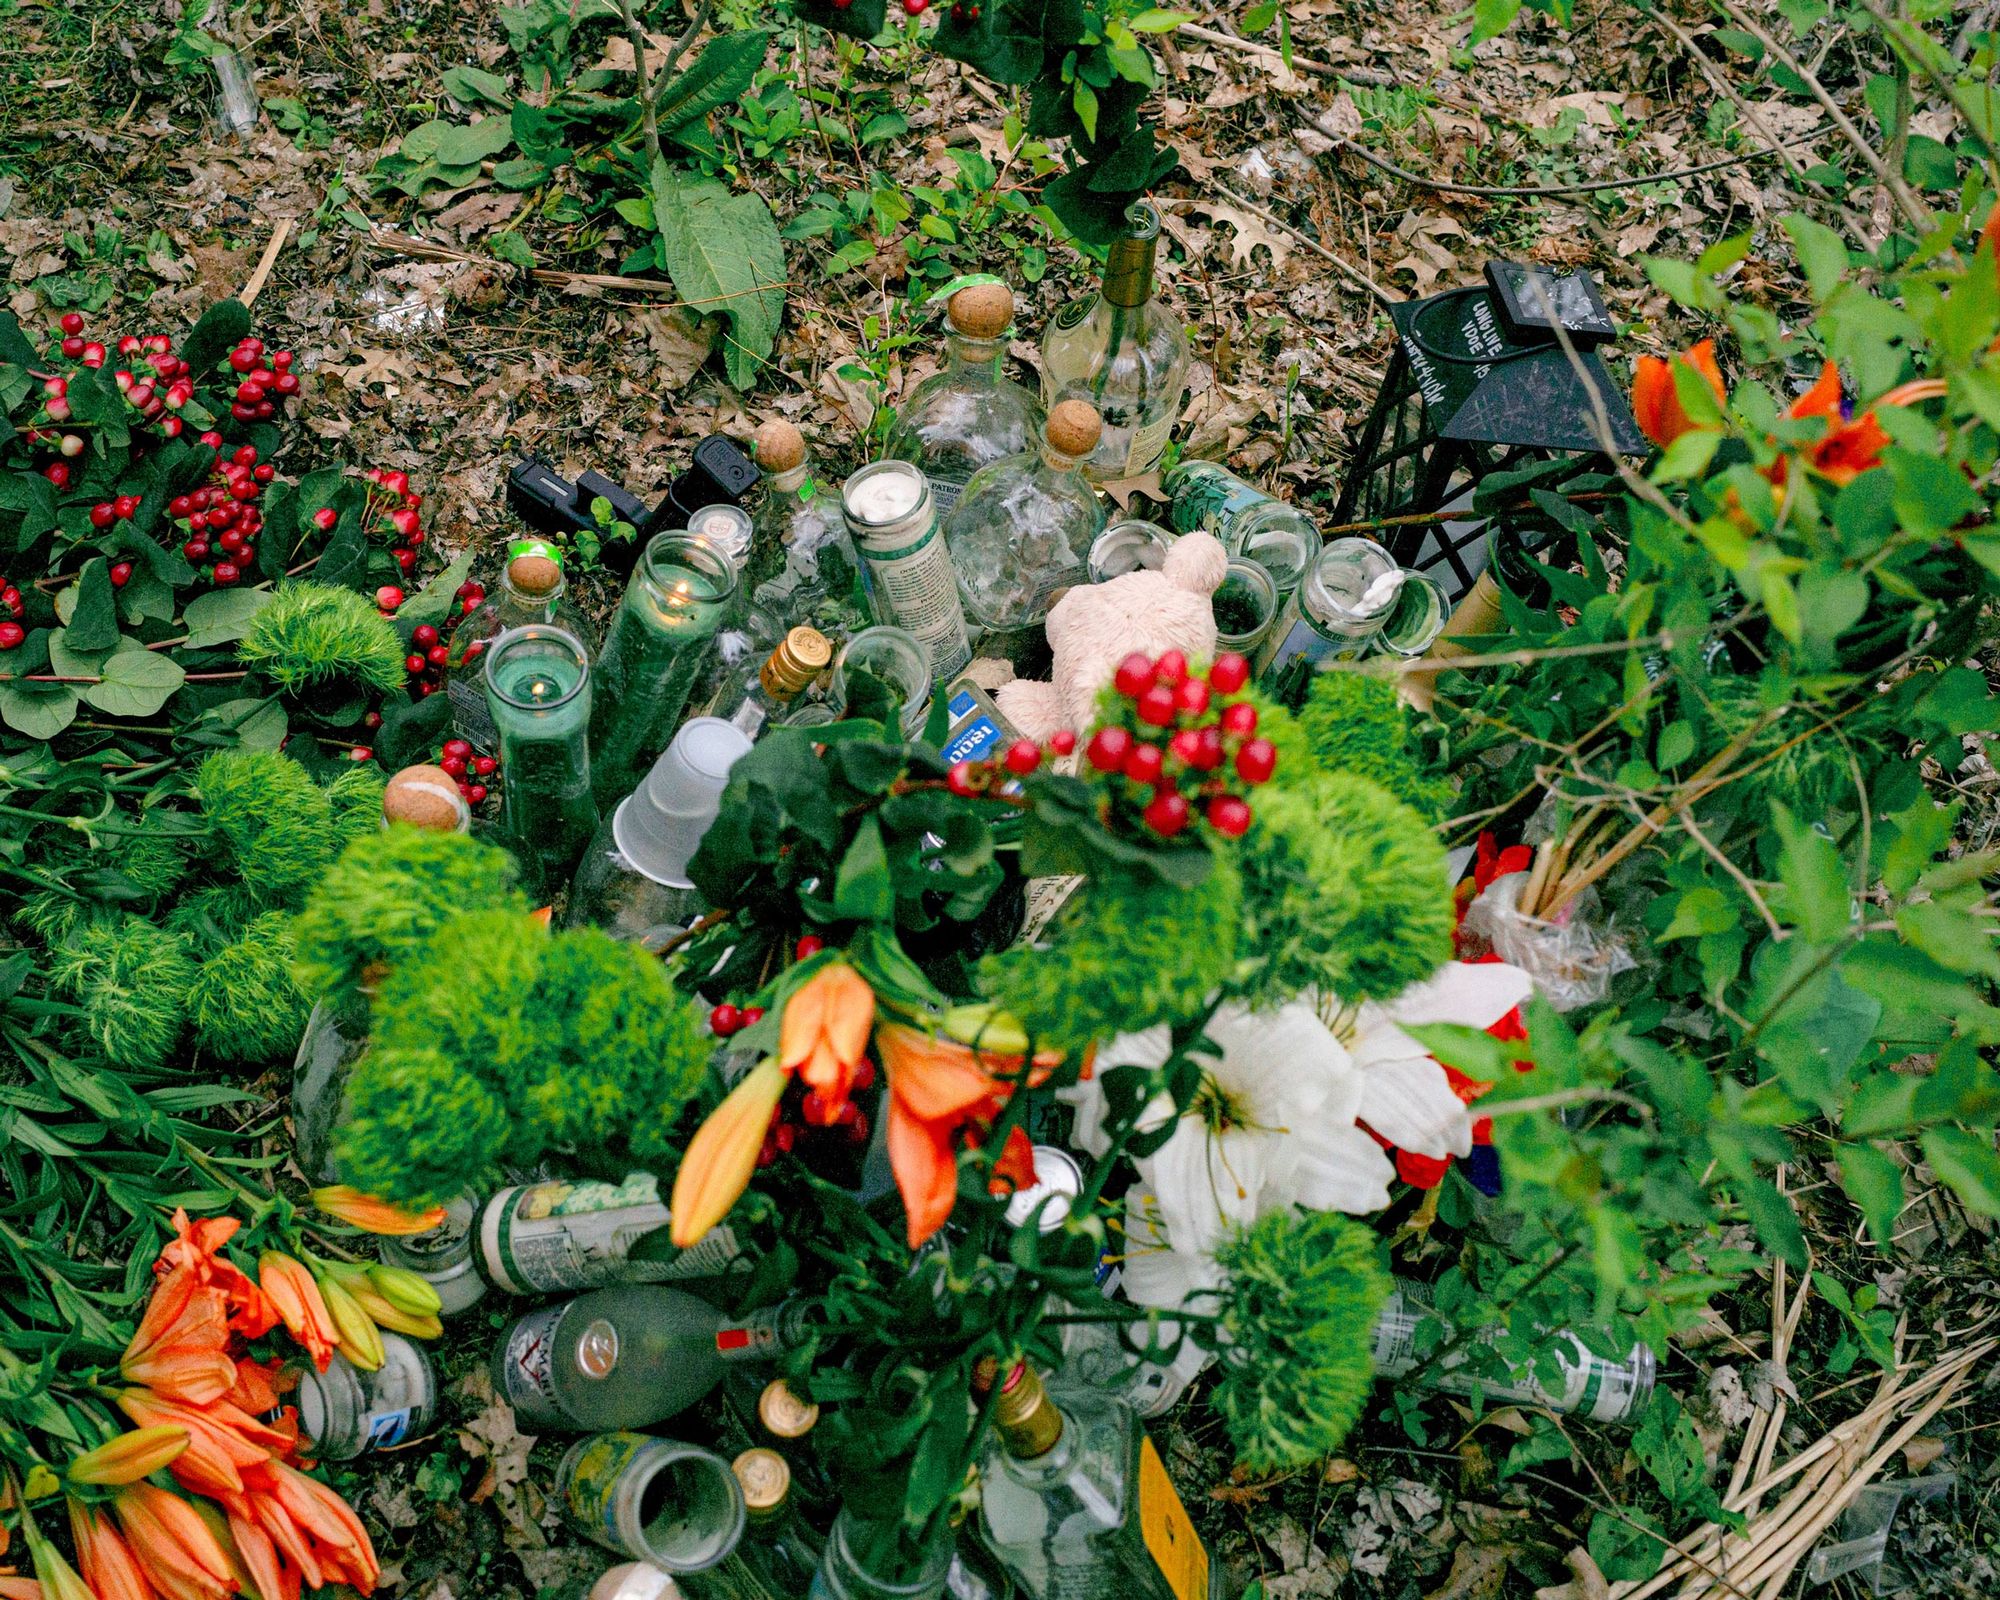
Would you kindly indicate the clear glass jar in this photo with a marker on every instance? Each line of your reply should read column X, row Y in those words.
column 728, row 528
column 346, row 1412
column 1278, row 537
column 531, row 589
column 538, row 694
column 1020, row 536
column 443, row 1258
column 804, row 571
column 969, row 415
column 909, row 571
column 1123, row 351
column 871, row 1561
column 1246, row 604
column 654, row 655
column 899, row 660
column 1341, row 606
column 1417, row 617
column 1132, row 545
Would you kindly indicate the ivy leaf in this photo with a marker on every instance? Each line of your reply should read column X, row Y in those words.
column 718, row 77
column 1967, row 1163
column 135, row 682
column 723, row 252
column 222, row 327
column 1670, row 1450
column 93, row 618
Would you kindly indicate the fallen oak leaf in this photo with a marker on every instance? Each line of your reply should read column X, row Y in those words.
column 1249, row 232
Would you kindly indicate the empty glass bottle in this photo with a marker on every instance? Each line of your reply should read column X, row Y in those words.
column 969, row 415
column 867, row 1560
column 672, row 1504
column 1076, row 1502
column 633, row 880
column 1246, row 605
column 1130, row 545
column 803, row 568
column 654, row 654
column 1340, row 607
column 629, row 1357
column 908, row 570
column 895, row 657
column 346, row 1412
column 1021, row 533
column 531, row 589
column 1281, row 539
column 1123, row 351
column 538, row 694
column 770, row 693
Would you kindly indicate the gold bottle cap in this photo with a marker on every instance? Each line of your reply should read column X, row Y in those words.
column 1073, row 428
column 424, row 797
column 779, row 446
column 534, row 575
column 1128, row 264
column 784, row 1413
column 981, row 310
column 1028, row 1420
column 765, row 1479
column 597, row 1350
column 801, row 657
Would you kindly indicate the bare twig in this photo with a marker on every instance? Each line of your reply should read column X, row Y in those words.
column 648, row 115
column 249, row 292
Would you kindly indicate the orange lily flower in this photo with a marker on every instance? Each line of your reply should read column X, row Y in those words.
column 309, row 1525
column 824, row 1035
column 13, row 1588
column 177, row 1551
column 222, row 1439
column 194, row 1246
column 296, row 1295
column 130, row 1456
column 181, row 1348
column 723, row 1153
column 370, row 1215
column 104, row 1558
column 941, row 1091
column 1849, row 447
column 1655, row 404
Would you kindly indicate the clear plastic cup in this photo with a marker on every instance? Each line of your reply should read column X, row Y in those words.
column 661, row 826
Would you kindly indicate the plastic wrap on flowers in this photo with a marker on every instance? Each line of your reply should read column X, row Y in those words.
column 1572, row 957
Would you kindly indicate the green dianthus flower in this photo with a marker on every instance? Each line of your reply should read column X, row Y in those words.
column 356, row 797
column 245, row 1004
column 131, row 981
column 314, row 633
column 274, row 822
column 1356, row 722
column 419, row 1128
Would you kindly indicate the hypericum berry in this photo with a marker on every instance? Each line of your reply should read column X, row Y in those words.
column 140, row 395
column 752, row 1015
column 72, row 322
column 1185, row 746
column 406, row 559
column 72, row 347
column 127, row 506
column 916, row 8
column 281, row 359
column 11, row 635
column 1107, row 749
column 485, row 766
column 103, row 514
column 372, row 721
column 414, row 665
column 57, row 472
column 1144, row 763
column 1208, row 751
column 810, row 944
column 1156, row 706
column 1256, row 761
column 404, row 522
column 1191, row 695
column 172, row 427
column 1167, row 814
column 93, row 355
column 462, row 748
column 195, row 549
column 325, row 518
column 1239, row 719
column 58, row 410
column 1170, row 669
column 455, row 765
column 1062, row 741
column 437, row 655
column 245, row 455
column 477, row 794
column 1135, row 676
column 1229, row 816
column 227, row 572
column 121, row 574
column 72, row 445
column 1023, row 756
column 724, row 1020
column 361, row 752
column 1229, row 673
column 423, row 636
column 962, row 779
column 388, row 597
column 241, row 359
column 265, row 473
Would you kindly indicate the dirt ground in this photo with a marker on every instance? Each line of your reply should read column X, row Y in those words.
column 117, row 192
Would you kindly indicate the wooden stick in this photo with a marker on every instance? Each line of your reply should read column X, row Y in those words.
column 249, row 292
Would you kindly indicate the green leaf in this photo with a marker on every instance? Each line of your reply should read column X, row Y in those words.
column 1688, row 456
column 469, row 86
column 513, row 249
column 1627, row 1545
column 1929, row 165
column 521, row 174
column 1777, row 1224
column 1874, row 1182
column 1491, row 18
column 246, row 724
column 37, row 710
column 1159, row 21
column 93, row 617
column 864, row 889
column 1814, row 876
column 222, row 615
column 222, row 327
column 466, row 145
column 1967, row 1163
column 718, row 77
column 1821, row 254
column 723, row 253
column 135, row 683
column 434, row 601
column 1670, row 1450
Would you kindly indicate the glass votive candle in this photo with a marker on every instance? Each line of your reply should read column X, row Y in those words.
column 1128, row 546
column 537, row 682
column 1246, row 604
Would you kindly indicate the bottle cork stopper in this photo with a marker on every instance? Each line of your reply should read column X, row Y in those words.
column 1073, row 427
column 981, row 310
column 425, row 797
column 533, row 574
column 780, row 446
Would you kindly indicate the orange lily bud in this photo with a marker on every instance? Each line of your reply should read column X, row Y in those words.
column 1655, row 402
column 300, row 1304
column 370, row 1215
column 104, row 1558
column 825, row 1029
column 130, row 1456
column 723, row 1153
column 177, row 1550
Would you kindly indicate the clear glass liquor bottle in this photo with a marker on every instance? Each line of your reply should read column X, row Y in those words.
column 532, row 589
column 1122, row 350
column 1021, row 533
column 804, row 570
column 1076, row 1502
column 969, row 415
column 769, row 693
column 630, row 1356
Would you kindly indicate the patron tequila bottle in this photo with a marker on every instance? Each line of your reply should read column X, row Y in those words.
column 1124, row 352
column 1076, row 1502
column 969, row 415
column 531, row 590
column 803, row 567
column 1021, row 533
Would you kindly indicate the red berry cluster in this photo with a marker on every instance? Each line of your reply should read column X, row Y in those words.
column 965, row 13
column 1186, row 732
column 390, row 513
column 13, row 608
column 220, row 518
column 260, row 376
column 460, row 761
column 429, row 655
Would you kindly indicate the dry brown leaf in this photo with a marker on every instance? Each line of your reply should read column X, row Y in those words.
column 478, row 212
column 1477, row 1573
column 617, row 55
column 1250, row 231
column 1586, row 1581
column 492, row 1437
column 680, row 340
